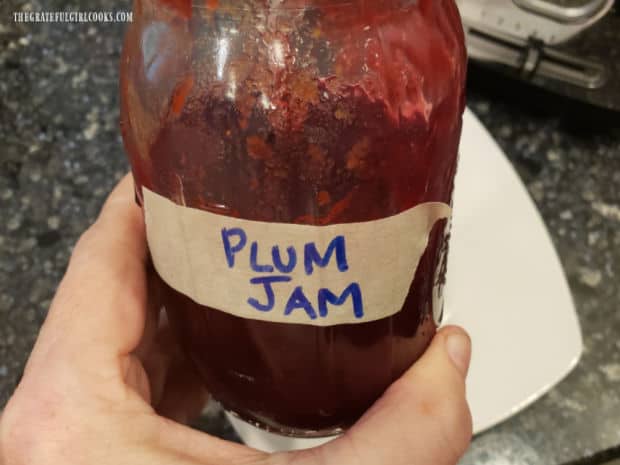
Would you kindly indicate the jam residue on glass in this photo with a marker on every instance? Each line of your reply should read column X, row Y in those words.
column 318, row 115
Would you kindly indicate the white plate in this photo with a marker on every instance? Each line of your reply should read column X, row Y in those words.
column 505, row 286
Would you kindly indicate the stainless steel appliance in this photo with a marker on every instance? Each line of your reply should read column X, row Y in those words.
column 571, row 47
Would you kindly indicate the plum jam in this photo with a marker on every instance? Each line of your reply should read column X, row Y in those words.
column 294, row 113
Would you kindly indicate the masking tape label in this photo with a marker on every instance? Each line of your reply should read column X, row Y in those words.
column 289, row 273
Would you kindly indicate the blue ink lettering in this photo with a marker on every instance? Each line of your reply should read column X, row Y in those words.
column 299, row 300
column 353, row 290
column 229, row 249
column 277, row 259
column 267, row 281
column 312, row 255
column 254, row 261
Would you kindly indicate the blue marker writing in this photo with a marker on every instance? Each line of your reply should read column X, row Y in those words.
column 277, row 259
column 312, row 256
column 353, row 290
column 267, row 282
column 299, row 300
column 229, row 249
column 254, row 261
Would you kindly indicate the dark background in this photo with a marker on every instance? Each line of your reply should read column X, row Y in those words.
column 61, row 153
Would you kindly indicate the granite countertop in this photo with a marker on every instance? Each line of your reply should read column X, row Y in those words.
column 61, row 152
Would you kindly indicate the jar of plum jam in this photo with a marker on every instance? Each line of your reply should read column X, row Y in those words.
column 295, row 162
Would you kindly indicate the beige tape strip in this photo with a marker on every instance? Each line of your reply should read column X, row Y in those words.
column 316, row 275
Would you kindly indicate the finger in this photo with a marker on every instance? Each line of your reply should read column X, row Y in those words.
column 100, row 305
column 422, row 418
column 157, row 362
column 206, row 449
column 155, row 318
column 177, row 392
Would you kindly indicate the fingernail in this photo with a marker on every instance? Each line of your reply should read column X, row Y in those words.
column 458, row 346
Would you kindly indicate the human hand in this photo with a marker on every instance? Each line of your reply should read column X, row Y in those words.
column 103, row 385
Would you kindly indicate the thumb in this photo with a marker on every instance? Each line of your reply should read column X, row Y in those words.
column 423, row 418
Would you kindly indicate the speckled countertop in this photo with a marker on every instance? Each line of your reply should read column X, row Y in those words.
column 60, row 153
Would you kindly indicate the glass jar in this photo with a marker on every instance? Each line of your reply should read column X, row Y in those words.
column 295, row 160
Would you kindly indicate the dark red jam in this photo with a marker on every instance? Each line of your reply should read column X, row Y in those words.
column 365, row 130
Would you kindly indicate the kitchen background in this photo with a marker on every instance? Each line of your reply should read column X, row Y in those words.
column 61, row 153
